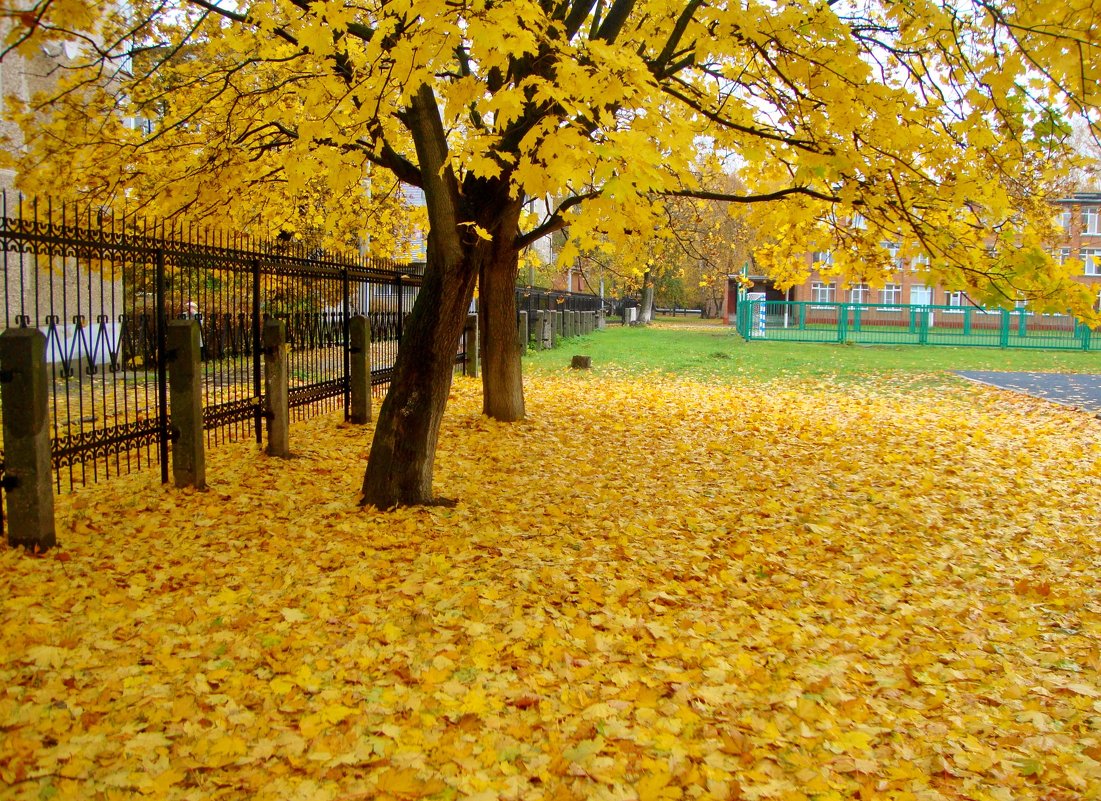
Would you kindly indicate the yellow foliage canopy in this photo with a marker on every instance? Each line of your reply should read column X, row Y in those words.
column 943, row 124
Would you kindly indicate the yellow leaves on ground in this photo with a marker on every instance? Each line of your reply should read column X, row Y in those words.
column 649, row 590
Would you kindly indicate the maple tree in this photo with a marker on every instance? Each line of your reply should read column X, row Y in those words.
column 938, row 123
column 793, row 592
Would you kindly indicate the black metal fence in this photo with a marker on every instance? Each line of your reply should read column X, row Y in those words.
column 530, row 299
column 102, row 291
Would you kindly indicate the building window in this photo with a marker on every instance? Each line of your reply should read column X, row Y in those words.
column 859, row 223
column 1064, row 254
column 822, row 292
column 858, row 293
column 1091, row 258
column 920, row 262
column 891, row 294
column 1090, row 221
column 822, row 257
column 956, row 299
column 1064, row 219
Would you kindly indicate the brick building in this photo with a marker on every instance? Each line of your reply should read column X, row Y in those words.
column 1079, row 216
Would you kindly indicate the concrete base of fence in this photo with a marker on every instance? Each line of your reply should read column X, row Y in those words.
column 27, row 467
column 276, row 407
column 186, row 399
column 359, row 370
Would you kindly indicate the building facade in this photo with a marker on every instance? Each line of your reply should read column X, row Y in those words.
column 1078, row 215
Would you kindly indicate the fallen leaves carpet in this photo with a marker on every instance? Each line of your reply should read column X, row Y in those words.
column 649, row 589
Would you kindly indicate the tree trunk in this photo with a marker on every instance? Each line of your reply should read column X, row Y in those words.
column 502, row 378
column 403, row 452
column 646, row 309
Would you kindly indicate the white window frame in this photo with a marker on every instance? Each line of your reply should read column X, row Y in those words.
column 822, row 257
column 1064, row 255
column 819, row 287
column 1091, row 261
column 1064, row 219
column 955, row 300
column 1090, row 221
column 858, row 223
column 891, row 297
column 861, row 291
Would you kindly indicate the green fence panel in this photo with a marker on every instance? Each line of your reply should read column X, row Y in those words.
column 871, row 324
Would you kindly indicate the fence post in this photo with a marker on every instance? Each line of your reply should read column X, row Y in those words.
column 522, row 331
column 276, row 408
column 24, row 395
column 842, row 322
column 257, row 355
column 359, row 370
column 470, row 364
column 923, row 326
column 186, row 395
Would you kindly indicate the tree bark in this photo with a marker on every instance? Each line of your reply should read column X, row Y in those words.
column 502, row 377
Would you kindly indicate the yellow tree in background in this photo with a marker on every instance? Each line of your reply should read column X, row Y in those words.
column 943, row 122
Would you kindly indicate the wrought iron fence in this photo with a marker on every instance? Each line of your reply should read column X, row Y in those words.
column 531, row 299
column 887, row 324
column 102, row 290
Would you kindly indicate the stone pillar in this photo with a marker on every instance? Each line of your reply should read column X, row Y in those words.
column 185, row 395
column 24, row 394
column 359, row 369
column 600, row 323
column 559, row 324
column 522, row 331
column 470, row 366
column 554, row 323
column 276, row 407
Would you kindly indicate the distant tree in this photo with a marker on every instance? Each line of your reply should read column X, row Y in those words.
column 942, row 121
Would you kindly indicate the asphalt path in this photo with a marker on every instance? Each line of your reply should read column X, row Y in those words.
column 1081, row 390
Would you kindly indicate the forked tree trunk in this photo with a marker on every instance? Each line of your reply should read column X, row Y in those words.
column 403, row 452
column 502, row 378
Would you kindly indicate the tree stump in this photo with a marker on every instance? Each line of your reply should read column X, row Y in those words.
column 581, row 362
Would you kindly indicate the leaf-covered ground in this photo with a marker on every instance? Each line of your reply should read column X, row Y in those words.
column 648, row 590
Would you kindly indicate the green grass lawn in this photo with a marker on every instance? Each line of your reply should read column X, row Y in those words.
column 710, row 352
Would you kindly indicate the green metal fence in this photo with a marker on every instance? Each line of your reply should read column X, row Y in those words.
column 878, row 324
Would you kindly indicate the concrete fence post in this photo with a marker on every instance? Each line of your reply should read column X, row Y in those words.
column 559, row 324
column 24, row 394
column 522, row 331
column 600, row 322
column 276, row 382
column 470, row 366
column 554, row 329
column 359, row 369
column 185, row 395
column 537, row 328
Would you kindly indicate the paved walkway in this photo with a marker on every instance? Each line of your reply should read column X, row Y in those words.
column 1070, row 389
